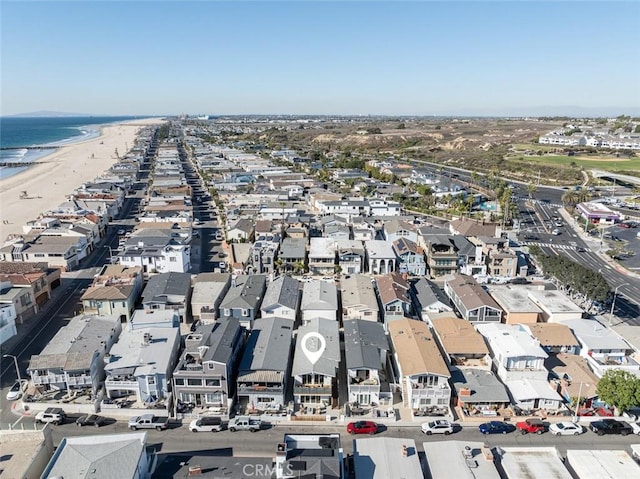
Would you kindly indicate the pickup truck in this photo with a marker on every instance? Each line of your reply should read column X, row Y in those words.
column 148, row 421
column 245, row 423
column 531, row 426
column 611, row 426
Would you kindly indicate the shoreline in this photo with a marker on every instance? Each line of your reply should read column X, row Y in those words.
column 51, row 178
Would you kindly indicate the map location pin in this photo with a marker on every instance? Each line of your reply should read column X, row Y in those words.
column 313, row 345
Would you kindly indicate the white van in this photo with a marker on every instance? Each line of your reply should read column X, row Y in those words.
column 206, row 424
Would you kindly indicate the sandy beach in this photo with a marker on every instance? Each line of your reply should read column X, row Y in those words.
column 53, row 177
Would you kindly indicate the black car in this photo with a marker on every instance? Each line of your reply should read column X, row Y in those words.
column 519, row 280
column 611, row 426
column 91, row 420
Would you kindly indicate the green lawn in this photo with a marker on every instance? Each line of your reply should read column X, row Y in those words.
column 619, row 164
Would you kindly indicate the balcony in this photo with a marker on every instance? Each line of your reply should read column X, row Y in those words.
column 244, row 388
column 49, row 379
column 364, row 388
column 79, row 381
column 312, row 389
column 120, row 384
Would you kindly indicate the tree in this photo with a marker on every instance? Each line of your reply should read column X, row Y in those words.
column 620, row 389
column 531, row 189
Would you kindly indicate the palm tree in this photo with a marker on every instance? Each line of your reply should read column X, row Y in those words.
column 531, row 189
column 570, row 198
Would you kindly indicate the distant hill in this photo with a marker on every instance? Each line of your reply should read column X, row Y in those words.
column 48, row 114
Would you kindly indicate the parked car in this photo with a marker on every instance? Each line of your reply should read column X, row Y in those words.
column 565, row 428
column 496, row 427
column 362, row 427
column 148, row 421
column 121, row 232
column 519, row 280
column 531, row 426
column 91, row 420
column 611, row 426
column 580, row 249
column 245, row 423
column 15, row 392
column 54, row 415
column 441, row 426
column 206, row 424
column 555, row 232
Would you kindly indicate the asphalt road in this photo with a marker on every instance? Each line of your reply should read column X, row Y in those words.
column 263, row 443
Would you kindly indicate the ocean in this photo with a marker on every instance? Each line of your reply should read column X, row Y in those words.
column 16, row 133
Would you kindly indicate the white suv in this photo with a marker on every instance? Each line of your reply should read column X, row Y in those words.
column 54, row 415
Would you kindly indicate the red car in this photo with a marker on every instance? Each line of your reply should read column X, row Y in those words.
column 362, row 427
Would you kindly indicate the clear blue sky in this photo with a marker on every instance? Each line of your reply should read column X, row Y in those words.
column 158, row 57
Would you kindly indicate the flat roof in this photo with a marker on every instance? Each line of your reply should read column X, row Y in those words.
column 20, row 448
column 553, row 301
column 510, row 340
column 446, row 459
column 533, row 463
column 383, row 457
column 594, row 335
column 514, row 300
column 603, row 464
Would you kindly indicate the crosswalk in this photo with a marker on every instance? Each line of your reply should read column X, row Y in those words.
column 551, row 245
column 554, row 205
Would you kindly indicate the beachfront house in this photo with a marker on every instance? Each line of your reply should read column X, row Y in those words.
column 516, row 355
column 314, row 382
column 365, row 352
column 141, row 363
column 422, row 373
column 265, row 366
column 74, row 358
column 206, row 372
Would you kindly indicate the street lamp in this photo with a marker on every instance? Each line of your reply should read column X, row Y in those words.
column 613, row 303
column 110, row 254
column 15, row 361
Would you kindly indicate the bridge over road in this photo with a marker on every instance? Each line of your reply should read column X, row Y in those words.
column 620, row 179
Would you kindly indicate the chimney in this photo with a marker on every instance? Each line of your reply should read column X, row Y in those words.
column 195, row 470
column 281, row 459
column 405, row 452
column 465, row 392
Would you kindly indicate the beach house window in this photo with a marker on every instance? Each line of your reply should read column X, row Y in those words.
column 245, row 312
column 151, row 380
column 194, row 382
column 213, row 382
column 173, row 259
column 227, row 312
column 179, row 382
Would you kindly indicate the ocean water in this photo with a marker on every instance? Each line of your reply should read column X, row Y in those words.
column 17, row 133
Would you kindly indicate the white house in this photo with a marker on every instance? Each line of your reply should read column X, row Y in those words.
column 7, row 322
column 313, row 381
column 282, row 299
column 319, row 300
column 603, row 348
column 142, row 361
column 516, row 355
